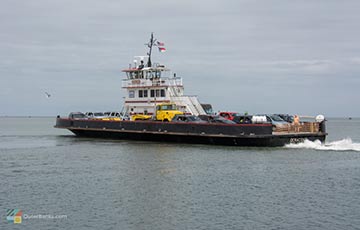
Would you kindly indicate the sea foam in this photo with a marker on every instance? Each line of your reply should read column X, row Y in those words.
column 345, row 144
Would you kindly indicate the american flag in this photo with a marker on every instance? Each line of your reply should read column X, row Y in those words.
column 160, row 43
column 162, row 49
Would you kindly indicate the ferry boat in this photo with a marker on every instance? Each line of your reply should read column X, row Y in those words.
column 149, row 87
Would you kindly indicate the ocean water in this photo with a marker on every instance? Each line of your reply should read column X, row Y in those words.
column 59, row 181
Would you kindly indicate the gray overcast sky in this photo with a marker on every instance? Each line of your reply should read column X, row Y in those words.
column 260, row 56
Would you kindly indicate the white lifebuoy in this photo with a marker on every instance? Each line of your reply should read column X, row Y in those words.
column 319, row 118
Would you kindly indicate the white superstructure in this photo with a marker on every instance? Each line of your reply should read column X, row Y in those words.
column 148, row 86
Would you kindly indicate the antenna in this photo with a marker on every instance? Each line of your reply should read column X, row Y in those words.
column 150, row 45
column 153, row 42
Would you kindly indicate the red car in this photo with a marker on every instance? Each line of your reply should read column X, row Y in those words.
column 229, row 115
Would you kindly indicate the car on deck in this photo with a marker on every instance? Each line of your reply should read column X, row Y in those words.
column 229, row 115
column 243, row 119
column 276, row 121
column 215, row 119
column 286, row 117
column 95, row 115
column 187, row 118
column 77, row 116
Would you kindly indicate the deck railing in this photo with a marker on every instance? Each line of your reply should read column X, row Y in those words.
column 151, row 82
column 304, row 127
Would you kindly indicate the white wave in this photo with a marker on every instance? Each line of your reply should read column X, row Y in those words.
column 341, row 145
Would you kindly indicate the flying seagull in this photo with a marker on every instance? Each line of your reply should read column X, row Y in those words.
column 47, row 94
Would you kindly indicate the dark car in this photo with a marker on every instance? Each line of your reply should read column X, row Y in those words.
column 242, row 119
column 215, row 119
column 77, row 115
column 187, row 118
column 286, row 117
column 276, row 121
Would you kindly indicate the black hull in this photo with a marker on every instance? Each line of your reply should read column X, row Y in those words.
column 214, row 134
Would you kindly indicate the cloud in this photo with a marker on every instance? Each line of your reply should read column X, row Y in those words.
column 256, row 47
column 355, row 60
column 303, row 66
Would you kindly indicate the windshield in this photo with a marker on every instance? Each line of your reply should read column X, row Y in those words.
column 168, row 107
column 193, row 118
column 276, row 118
column 77, row 115
column 222, row 120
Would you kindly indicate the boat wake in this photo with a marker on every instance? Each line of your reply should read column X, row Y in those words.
column 341, row 145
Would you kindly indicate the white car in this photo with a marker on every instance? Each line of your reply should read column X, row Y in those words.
column 97, row 115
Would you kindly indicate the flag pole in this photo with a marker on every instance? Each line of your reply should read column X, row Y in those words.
column 150, row 45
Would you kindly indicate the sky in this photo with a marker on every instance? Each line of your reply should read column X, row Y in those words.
column 256, row 56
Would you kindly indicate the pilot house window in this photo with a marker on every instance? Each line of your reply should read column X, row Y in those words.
column 131, row 94
column 157, row 93
column 143, row 93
